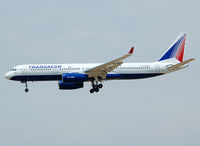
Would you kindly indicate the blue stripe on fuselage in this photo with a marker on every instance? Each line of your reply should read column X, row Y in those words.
column 131, row 76
column 37, row 78
column 59, row 77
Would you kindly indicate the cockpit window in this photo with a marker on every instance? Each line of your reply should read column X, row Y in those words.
column 13, row 69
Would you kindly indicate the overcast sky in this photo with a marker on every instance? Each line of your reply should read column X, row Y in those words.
column 158, row 111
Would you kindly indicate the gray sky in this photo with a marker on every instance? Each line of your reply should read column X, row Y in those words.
column 158, row 111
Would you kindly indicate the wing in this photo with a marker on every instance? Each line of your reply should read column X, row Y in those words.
column 103, row 69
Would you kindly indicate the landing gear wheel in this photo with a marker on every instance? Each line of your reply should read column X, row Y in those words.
column 100, row 85
column 91, row 90
column 96, row 90
column 26, row 90
column 95, row 87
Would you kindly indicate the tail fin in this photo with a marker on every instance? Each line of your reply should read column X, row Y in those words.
column 176, row 50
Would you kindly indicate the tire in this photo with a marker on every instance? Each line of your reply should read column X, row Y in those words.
column 97, row 90
column 26, row 90
column 100, row 85
column 91, row 90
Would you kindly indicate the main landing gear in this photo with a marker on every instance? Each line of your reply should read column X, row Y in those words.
column 26, row 86
column 95, row 87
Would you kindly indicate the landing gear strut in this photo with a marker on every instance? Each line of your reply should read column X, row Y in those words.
column 95, row 87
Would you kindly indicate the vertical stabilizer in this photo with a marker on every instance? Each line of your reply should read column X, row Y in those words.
column 176, row 50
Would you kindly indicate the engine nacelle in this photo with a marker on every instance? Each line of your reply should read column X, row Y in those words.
column 69, row 86
column 74, row 78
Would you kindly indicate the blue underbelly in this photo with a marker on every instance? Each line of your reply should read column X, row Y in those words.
column 59, row 77
column 131, row 76
column 37, row 78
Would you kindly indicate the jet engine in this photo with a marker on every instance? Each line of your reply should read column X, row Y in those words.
column 69, row 86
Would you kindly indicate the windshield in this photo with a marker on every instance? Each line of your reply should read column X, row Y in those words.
column 13, row 69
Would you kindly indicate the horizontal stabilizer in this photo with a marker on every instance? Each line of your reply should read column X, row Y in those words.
column 177, row 66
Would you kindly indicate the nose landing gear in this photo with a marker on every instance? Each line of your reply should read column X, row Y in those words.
column 26, row 86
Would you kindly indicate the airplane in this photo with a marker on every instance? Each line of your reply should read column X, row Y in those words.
column 73, row 76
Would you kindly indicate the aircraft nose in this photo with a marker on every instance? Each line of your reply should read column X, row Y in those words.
column 7, row 75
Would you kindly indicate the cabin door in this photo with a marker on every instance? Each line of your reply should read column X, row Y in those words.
column 157, row 68
column 24, row 70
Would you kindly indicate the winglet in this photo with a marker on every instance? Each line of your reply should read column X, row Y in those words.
column 131, row 50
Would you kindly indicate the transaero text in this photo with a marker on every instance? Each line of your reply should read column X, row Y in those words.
column 45, row 66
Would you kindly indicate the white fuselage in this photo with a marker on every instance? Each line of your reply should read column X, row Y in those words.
column 39, row 72
column 73, row 76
